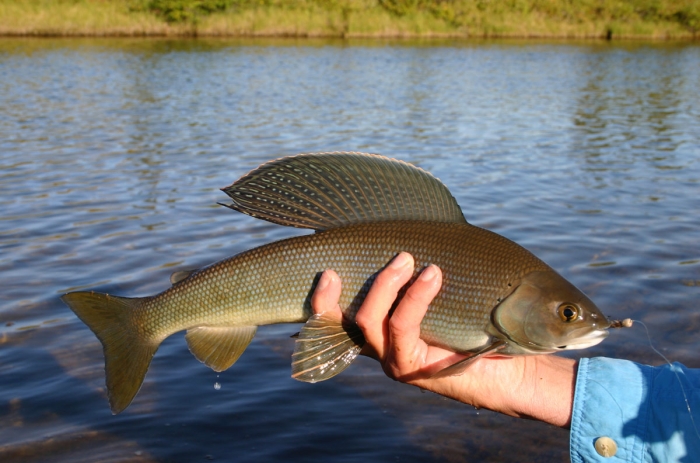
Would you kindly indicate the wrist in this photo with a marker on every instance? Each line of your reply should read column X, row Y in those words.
column 553, row 382
column 538, row 387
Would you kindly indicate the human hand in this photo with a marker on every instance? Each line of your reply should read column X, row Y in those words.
column 537, row 387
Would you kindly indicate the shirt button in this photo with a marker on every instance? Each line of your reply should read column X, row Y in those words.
column 605, row 447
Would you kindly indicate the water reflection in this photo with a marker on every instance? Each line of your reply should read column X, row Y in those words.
column 112, row 153
column 627, row 115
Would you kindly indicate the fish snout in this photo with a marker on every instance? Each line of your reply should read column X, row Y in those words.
column 583, row 338
column 599, row 321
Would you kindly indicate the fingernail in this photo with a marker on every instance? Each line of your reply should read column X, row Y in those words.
column 429, row 273
column 400, row 261
column 323, row 281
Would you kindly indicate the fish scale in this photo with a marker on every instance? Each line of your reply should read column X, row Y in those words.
column 365, row 209
column 255, row 287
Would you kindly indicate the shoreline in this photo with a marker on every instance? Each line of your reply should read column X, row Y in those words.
column 603, row 36
column 398, row 36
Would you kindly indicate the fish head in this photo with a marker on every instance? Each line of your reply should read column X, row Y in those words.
column 545, row 313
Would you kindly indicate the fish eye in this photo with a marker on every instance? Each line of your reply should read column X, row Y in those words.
column 568, row 312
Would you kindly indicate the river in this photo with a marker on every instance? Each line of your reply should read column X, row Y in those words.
column 112, row 153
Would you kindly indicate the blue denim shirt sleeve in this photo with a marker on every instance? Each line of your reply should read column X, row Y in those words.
column 641, row 408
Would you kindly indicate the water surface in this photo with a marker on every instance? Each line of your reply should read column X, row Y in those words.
column 112, row 153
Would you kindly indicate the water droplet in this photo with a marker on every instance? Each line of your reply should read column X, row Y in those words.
column 217, row 386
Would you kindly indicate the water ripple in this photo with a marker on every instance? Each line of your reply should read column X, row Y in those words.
column 112, row 153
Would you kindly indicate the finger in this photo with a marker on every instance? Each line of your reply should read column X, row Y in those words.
column 372, row 318
column 326, row 295
column 408, row 352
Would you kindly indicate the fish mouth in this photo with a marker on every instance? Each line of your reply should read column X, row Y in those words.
column 583, row 341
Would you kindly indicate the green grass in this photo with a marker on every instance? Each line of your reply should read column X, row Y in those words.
column 77, row 18
column 658, row 19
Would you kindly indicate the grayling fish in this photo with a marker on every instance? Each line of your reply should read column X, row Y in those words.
column 496, row 296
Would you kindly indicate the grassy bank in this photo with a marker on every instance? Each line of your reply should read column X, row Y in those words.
column 657, row 19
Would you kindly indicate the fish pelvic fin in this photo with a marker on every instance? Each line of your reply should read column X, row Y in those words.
column 329, row 190
column 218, row 347
column 325, row 347
column 127, row 352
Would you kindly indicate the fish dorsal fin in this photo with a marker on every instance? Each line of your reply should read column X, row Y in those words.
column 330, row 190
column 177, row 277
column 218, row 347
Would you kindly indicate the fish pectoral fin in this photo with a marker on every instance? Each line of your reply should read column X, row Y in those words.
column 458, row 368
column 218, row 347
column 324, row 348
column 180, row 275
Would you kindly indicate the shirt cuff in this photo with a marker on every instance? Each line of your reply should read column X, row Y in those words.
column 610, row 401
column 641, row 410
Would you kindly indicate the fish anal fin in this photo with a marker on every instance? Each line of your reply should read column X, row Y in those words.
column 180, row 275
column 458, row 368
column 329, row 190
column 218, row 347
column 325, row 347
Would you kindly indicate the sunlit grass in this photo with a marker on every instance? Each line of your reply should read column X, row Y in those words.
column 364, row 18
column 272, row 21
column 74, row 18
column 319, row 22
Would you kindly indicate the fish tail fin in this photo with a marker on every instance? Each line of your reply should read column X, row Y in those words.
column 325, row 347
column 127, row 352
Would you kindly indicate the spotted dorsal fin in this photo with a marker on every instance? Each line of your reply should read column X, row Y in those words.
column 330, row 190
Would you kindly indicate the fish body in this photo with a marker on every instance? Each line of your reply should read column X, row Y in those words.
column 273, row 283
column 495, row 293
